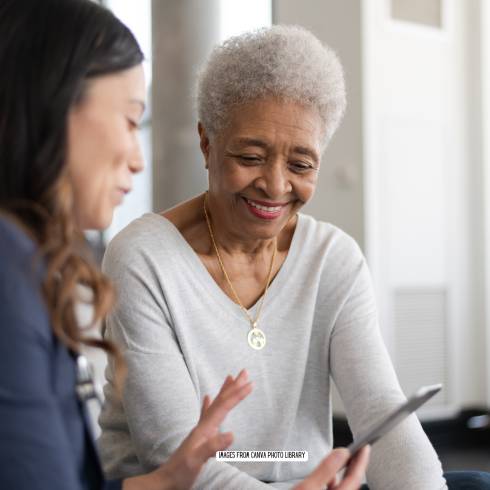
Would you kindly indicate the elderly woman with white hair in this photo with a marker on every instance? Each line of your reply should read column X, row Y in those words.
column 238, row 277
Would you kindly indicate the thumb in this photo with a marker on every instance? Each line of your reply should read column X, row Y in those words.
column 325, row 472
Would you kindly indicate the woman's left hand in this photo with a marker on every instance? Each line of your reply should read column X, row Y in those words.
column 181, row 470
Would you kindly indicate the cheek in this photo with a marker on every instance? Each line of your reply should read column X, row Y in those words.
column 305, row 187
column 97, row 152
column 93, row 179
column 229, row 176
column 95, row 196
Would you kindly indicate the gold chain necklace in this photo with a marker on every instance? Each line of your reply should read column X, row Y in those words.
column 256, row 337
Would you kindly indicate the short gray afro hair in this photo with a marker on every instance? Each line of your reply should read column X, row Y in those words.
column 286, row 62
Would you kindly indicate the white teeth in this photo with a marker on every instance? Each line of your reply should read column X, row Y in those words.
column 264, row 208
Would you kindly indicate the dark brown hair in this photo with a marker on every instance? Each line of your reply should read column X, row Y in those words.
column 49, row 51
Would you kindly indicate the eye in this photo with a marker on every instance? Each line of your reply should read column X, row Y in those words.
column 133, row 125
column 301, row 167
column 250, row 159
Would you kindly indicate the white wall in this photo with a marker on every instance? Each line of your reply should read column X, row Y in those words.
column 411, row 140
column 485, row 65
column 483, row 35
column 184, row 33
column 139, row 201
column 404, row 176
column 340, row 192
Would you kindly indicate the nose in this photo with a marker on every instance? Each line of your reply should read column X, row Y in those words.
column 274, row 180
column 136, row 162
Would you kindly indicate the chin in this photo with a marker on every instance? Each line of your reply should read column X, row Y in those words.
column 266, row 231
column 104, row 222
column 100, row 222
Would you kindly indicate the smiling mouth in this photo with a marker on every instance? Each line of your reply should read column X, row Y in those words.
column 269, row 209
column 261, row 210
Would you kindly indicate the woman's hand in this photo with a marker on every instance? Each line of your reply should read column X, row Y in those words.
column 180, row 471
column 325, row 475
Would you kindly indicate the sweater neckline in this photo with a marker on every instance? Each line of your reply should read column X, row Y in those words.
column 211, row 286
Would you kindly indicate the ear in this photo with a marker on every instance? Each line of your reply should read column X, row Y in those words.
column 203, row 142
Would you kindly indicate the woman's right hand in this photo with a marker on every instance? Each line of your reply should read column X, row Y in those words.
column 325, row 474
column 182, row 468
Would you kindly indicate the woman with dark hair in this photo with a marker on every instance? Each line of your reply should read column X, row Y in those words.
column 71, row 95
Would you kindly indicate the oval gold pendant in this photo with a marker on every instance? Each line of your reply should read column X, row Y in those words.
column 256, row 338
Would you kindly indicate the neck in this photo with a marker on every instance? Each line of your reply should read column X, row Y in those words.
column 234, row 245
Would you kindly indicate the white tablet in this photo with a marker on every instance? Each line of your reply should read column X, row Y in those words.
column 381, row 428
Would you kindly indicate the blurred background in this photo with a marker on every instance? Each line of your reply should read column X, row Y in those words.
column 407, row 174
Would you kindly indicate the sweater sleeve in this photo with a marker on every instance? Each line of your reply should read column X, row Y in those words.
column 160, row 402
column 34, row 448
column 368, row 386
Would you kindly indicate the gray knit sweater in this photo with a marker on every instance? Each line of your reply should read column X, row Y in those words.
column 182, row 335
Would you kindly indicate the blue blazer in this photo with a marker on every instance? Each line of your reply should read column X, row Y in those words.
column 45, row 440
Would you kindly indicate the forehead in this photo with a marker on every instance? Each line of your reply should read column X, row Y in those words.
column 274, row 120
column 125, row 87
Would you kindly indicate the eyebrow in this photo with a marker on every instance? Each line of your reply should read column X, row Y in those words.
column 302, row 150
column 252, row 142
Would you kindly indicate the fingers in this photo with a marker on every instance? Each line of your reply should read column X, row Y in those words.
column 229, row 396
column 181, row 470
column 221, row 406
column 356, row 469
column 205, row 405
column 213, row 413
column 207, row 399
column 326, row 471
column 230, row 384
column 209, row 448
column 204, row 440
column 228, row 380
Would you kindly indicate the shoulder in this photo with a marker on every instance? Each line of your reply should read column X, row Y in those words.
column 327, row 242
column 14, row 241
column 18, row 252
column 330, row 254
column 22, row 308
column 150, row 232
column 336, row 259
column 146, row 243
